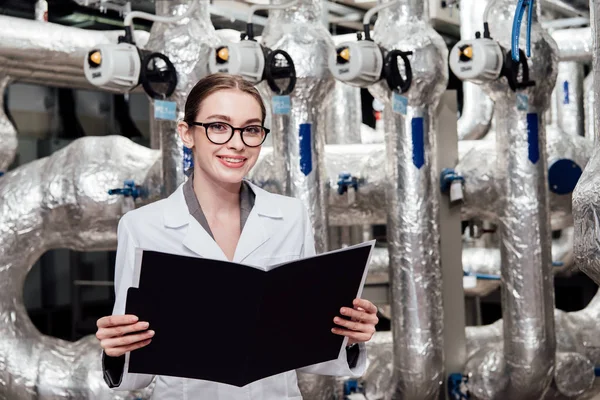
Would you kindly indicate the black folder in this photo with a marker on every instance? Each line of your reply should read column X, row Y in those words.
column 235, row 324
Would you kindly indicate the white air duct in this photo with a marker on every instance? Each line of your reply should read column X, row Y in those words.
column 588, row 106
column 568, row 98
column 574, row 44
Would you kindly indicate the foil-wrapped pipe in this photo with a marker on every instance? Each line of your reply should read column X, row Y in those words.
column 187, row 43
column 50, row 54
column 478, row 108
column 586, row 197
column 299, row 135
column 568, row 95
column 60, row 201
column 527, row 292
column 574, row 44
column 411, row 190
column 588, row 106
column 8, row 132
column 344, row 115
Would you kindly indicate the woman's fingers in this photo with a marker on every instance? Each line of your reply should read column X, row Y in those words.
column 107, row 333
column 119, row 351
column 360, row 316
column 116, row 320
column 126, row 340
column 355, row 326
column 356, row 337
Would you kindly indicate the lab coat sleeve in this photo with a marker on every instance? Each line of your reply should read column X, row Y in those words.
column 339, row 366
column 115, row 369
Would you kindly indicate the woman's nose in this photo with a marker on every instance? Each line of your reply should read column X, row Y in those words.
column 236, row 142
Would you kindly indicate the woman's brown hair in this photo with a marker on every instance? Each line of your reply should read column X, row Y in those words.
column 213, row 83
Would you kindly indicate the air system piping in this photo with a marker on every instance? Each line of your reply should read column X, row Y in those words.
column 520, row 96
column 8, row 133
column 588, row 106
column 568, row 98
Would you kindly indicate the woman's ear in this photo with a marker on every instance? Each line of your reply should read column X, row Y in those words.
column 185, row 133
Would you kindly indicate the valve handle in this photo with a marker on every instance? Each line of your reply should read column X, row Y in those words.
column 394, row 78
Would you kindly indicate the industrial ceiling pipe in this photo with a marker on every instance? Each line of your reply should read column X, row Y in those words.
column 574, row 44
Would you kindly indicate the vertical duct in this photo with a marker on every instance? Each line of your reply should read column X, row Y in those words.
column 8, row 132
column 568, row 97
column 527, row 291
column 299, row 133
column 412, row 193
column 187, row 43
column 586, row 197
column 344, row 115
column 588, row 106
column 478, row 108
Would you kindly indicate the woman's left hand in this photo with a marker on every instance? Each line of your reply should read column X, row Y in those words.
column 361, row 327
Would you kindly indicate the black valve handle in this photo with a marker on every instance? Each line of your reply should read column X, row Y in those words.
column 511, row 71
column 273, row 72
column 391, row 70
column 169, row 76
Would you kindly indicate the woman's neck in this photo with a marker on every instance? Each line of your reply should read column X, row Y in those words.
column 215, row 197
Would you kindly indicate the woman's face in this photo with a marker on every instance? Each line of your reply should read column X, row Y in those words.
column 229, row 162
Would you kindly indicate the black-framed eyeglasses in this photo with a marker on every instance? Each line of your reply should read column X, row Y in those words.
column 222, row 132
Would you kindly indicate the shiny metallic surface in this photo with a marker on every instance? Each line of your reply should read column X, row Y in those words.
column 299, row 31
column 527, row 292
column 588, row 106
column 60, row 201
column 50, row 54
column 478, row 108
column 412, row 203
column 569, row 98
column 8, row 132
column 574, row 44
column 187, row 43
column 380, row 358
column 576, row 375
column 344, row 115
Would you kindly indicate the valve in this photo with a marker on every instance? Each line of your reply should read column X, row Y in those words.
column 129, row 189
column 451, row 182
column 457, row 387
column 345, row 181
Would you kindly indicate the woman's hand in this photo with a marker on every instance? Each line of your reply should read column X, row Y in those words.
column 117, row 334
column 361, row 327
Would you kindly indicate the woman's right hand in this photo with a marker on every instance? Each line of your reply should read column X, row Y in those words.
column 117, row 334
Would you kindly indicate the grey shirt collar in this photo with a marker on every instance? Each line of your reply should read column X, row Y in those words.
column 247, row 199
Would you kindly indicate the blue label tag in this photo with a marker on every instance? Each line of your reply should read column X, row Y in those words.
column 522, row 102
column 566, row 92
column 399, row 104
column 533, row 137
column 305, row 149
column 418, row 142
column 166, row 110
column 281, row 105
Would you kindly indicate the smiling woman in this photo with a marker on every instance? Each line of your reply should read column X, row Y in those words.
column 217, row 214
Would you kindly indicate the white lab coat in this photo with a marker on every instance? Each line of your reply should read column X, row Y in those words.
column 277, row 230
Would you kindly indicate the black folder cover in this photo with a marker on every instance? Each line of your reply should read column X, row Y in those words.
column 234, row 324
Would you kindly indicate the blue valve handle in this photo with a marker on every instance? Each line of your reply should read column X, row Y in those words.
column 448, row 176
column 516, row 28
column 346, row 180
column 130, row 189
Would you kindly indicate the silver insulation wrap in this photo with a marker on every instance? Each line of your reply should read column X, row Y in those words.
column 412, row 202
column 574, row 44
column 299, row 135
column 527, row 292
column 60, row 202
column 478, row 108
column 568, row 94
column 586, row 197
column 187, row 43
column 588, row 106
column 8, row 132
column 50, row 54
column 344, row 115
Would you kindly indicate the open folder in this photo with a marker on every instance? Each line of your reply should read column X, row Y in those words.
column 235, row 324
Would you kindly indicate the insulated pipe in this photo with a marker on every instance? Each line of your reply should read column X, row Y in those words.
column 8, row 133
column 60, row 201
column 568, row 97
column 412, row 191
column 588, row 106
column 187, row 43
column 586, row 197
column 527, row 292
column 478, row 108
column 574, row 44
column 299, row 133
column 50, row 54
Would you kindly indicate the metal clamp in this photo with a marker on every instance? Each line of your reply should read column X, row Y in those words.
column 447, row 177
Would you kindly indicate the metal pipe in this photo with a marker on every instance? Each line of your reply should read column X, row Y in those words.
column 574, row 44
column 48, row 53
column 586, row 197
column 527, row 291
column 187, row 43
column 478, row 108
column 564, row 8
column 299, row 135
column 568, row 95
column 60, row 201
column 588, row 106
column 8, row 133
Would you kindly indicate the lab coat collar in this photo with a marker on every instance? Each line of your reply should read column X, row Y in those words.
column 255, row 232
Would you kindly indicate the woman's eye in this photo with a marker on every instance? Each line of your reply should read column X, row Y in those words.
column 218, row 127
column 254, row 130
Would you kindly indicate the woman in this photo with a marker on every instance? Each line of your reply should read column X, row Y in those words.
column 206, row 216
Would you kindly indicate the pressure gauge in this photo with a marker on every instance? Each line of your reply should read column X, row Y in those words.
column 477, row 60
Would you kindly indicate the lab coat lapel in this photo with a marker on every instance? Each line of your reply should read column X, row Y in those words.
column 259, row 226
